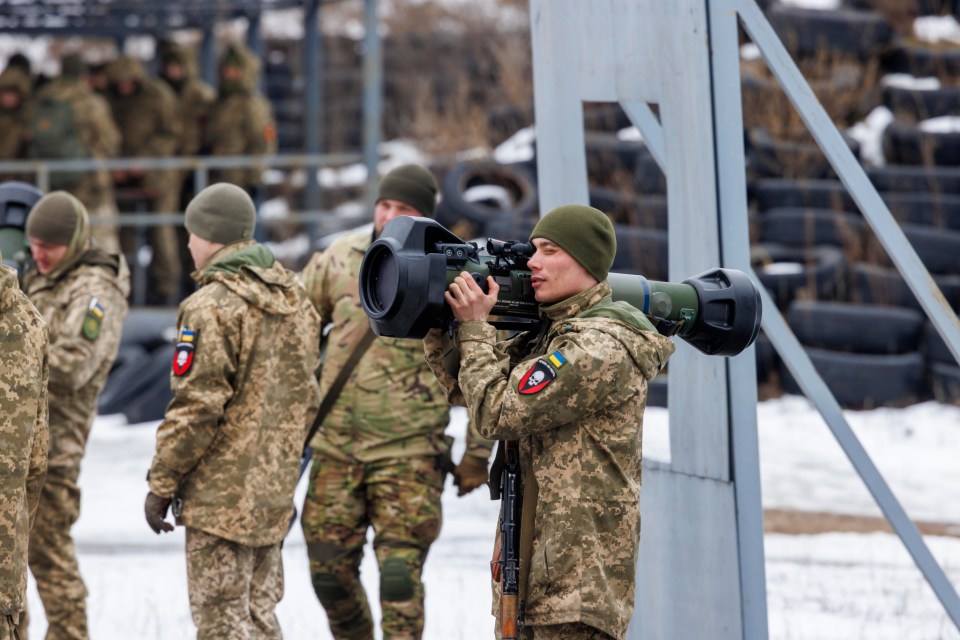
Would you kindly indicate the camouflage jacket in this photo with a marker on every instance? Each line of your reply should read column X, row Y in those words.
column 15, row 123
column 241, row 123
column 244, row 394
column 392, row 405
column 95, row 128
column 23, row 434
column 150, row 124
column 84, row 304
column 573, row 394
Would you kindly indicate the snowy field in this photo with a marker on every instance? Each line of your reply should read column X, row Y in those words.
column 830, row 586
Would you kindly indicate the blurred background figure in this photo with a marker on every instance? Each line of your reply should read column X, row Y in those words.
column 15, row 88
column 148, row 116
column 71, row 121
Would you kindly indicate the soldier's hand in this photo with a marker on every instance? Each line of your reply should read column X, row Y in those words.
column 155, row 508
column 470, row 474
column 468, row 301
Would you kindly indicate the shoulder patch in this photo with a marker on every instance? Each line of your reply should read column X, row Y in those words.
column 92, row 320
column 183, row 354
column 541, row 374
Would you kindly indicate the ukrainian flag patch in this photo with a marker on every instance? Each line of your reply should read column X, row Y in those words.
column 92, row 320
column 557, row 359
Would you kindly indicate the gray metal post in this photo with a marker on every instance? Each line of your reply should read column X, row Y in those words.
column 372, row 96
column 313, row 90
column 208, row 57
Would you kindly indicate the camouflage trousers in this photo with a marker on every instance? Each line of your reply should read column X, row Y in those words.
column 400, row 499
column 165, row 268
column 234, row 589
column 53, row 558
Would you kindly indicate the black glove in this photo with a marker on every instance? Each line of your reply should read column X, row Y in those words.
column 155, row 508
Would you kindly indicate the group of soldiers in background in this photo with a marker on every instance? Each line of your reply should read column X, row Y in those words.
column 118, row 110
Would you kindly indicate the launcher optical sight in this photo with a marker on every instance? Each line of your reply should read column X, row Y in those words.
column 406, row 271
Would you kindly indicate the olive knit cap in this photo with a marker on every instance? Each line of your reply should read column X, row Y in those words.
column 221, row 213
column 56, row 219
column 583, row 232
column 412, row 185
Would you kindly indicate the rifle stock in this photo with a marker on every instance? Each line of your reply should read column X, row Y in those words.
column 511, row 609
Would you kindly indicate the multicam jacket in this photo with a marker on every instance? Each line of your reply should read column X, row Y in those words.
column 392, row 405
column 84, row 303
column 23, row 434
column 244, row 395
column 573, row 394
column 14, row 123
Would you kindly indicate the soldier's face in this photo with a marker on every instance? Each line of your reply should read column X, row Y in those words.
column 47, row 256
column 9, row 99
column 201, row 250
column 554, row 274
column 173, row 71
column 387, row 209
column 125, row 87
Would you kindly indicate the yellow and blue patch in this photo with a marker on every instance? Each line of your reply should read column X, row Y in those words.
column 557, row 359
column 92, row 320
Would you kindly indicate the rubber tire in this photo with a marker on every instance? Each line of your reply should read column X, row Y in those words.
column 125, row 385
column 873, row 284
column 518, row 183
column 926, row 209
column 641, row 251
column 938, row 249
column 922, row 61
column 905, row 143
column 768, row 157
column 807, row 33
column 648, row 177
column 609, row 158
column 921, row 104
column 917, row 179
column 856, row 328
column 812, row 227
column 824, row 280
column 934, row 347
column 945, row 383
column 866, row 381
column 649, row 212
column 773, row 193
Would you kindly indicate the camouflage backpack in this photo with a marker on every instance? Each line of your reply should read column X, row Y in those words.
column 55, row 137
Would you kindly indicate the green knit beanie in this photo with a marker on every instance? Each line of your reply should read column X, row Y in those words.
column 57, row 218
column 583, row 232
column 221, row 213
column 412, row 185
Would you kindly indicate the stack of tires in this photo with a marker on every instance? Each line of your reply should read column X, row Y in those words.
column 139, row 382
column 821, row 262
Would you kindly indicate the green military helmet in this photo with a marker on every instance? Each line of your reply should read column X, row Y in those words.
column 16, row 201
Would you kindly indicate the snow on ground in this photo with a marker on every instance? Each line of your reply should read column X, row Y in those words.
column 823, row 587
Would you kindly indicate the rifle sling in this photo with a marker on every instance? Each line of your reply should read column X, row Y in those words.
column 334, row 391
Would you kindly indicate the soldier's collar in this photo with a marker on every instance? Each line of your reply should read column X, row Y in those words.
column 576, row 303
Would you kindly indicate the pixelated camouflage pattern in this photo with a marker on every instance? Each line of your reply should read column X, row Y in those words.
column 234, row 588
column 580, row 438
column 572, row 631
column 230, row 443
column 95, row 127
column 23, row 432
column 15, row 123
column 79, row 366
column 241, row 123
column 392, row 405
column 400, row 499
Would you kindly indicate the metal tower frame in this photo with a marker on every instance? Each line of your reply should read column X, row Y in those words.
column 701, row 569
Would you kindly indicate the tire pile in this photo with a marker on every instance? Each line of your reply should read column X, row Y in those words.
column 828, row 273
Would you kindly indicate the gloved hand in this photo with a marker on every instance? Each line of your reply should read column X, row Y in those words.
column 470, row 474
column 155, row 508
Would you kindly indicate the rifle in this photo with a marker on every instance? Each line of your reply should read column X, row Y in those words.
column 506, row 564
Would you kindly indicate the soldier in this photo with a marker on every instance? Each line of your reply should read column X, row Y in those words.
column 379, row 459
column 23, row 440
column 244, row 394
column 15, row 89
column 196, row 97
column 573, row 394
column 148, row 116
column 72, row 121
column 241, row 121
column 81, row 291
